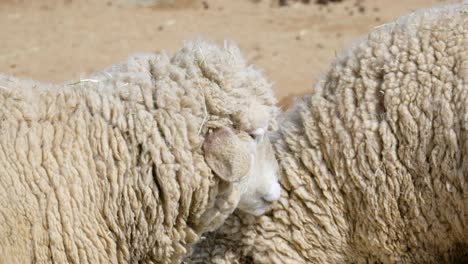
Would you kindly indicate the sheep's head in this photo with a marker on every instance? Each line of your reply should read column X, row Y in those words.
column 236, row 107
column 248, row 171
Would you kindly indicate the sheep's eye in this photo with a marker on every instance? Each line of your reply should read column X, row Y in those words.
column 257, row 134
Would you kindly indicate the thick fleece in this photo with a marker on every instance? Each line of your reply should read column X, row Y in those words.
column 374, row 162
column 111, row 169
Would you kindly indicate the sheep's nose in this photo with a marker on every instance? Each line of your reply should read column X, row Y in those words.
column 273, row 194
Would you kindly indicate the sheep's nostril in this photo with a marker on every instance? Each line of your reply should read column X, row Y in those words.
column 273, row 195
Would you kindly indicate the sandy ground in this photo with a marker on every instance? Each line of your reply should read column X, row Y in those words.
column 61, row 40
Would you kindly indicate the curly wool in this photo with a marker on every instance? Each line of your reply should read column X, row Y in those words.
column 110, row 169
column 375, row 161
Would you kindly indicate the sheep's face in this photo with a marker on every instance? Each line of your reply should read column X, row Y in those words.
column 246, row 162
column 262, row 186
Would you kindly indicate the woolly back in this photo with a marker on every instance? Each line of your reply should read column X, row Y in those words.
column 382, row 145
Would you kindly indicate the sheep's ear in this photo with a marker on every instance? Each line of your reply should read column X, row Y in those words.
column 227, row 155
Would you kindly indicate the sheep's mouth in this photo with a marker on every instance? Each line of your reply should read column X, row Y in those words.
column 258, row 210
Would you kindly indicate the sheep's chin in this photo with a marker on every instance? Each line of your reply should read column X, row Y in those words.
column 256, row 211
column 260, row 211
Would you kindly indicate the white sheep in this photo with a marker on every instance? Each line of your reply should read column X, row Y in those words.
column 134, row 163
column 374, row 162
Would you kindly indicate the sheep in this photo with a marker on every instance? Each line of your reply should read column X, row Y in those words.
column 135, row 162
column 373, row 162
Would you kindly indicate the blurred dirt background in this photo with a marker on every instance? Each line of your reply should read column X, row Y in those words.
column 292, row 40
